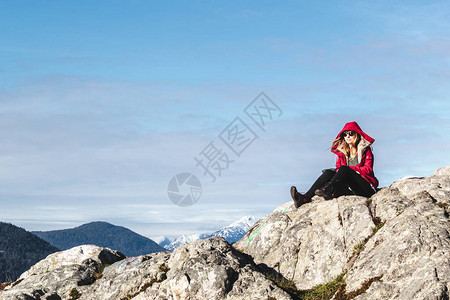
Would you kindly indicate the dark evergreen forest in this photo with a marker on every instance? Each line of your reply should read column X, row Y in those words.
column 19, row 250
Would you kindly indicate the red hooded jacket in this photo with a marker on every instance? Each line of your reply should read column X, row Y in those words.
column 365, row 156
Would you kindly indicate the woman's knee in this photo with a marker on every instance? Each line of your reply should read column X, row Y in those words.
column 344, row 169
column 329, row 172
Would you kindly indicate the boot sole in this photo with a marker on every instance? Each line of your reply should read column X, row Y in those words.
column 323, row 195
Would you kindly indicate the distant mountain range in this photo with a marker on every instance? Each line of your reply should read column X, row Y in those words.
column 19, row 250
column 232, row 233
column 163, row 240
column 101, row 234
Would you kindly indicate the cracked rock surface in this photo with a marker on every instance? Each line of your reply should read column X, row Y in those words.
column 205, row 269
column 56, row 275
column 310, row 245
column 212, row 269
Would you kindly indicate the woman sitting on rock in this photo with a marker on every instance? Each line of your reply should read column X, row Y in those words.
column 354, row 169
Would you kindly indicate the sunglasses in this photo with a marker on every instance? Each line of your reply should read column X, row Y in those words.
column 349, row 133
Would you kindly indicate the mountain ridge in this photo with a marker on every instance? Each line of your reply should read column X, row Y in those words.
column 19, row 250
column 103, row 234
column 232, row 233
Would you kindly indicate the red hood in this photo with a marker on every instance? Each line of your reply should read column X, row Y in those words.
column 366, row 140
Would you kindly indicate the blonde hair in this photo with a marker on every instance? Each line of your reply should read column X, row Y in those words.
column 340, row 143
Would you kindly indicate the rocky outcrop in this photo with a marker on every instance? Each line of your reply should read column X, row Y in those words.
column 412, row 250
column 55, row 276
column 394, row 245
column 311, row 245
column 212, row 269
column 205, row 269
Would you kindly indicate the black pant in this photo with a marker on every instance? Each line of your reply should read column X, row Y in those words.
column 345, row 182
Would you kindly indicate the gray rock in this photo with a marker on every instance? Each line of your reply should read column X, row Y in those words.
column 128, row 277
column 408, row 258
column 388, row 203
column 56, row 275
column 411, row 253
column 205, row 269
column 437, row 185
column 310, row 245
column 212, row 269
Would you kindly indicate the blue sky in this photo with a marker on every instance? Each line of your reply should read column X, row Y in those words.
column 103, row 102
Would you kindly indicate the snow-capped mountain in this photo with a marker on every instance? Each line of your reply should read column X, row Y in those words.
column 232, row 233
column 235, row 231
column 184, row 239
column 163, row 240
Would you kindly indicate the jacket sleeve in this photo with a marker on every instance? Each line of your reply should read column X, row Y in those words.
column 340, row 161
column 366, row 167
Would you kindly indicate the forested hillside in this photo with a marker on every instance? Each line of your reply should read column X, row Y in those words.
column 19, row 250
column 101, row 234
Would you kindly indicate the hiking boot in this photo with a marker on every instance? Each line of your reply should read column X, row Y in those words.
column 298, row 198
column 326, row 191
